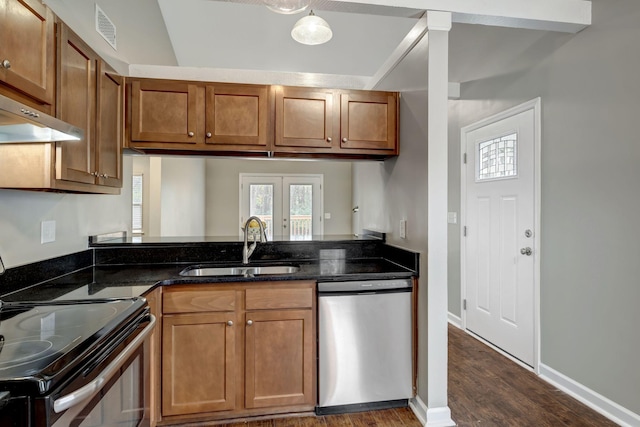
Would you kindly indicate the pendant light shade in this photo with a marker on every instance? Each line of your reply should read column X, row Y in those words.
column 311, row 30
column 287, row 7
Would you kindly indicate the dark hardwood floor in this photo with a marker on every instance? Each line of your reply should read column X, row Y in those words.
column 485, row 390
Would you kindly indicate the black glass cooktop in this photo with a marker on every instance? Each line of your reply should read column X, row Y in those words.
column 42, row 342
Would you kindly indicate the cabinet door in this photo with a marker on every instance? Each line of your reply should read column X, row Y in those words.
column 27, row 48
column 109, row 130
column 164, row 111
column 304, row 118
column 368, row 121
column 236, row 115
column 198, row 363
column 76, row 105
column 279, row 358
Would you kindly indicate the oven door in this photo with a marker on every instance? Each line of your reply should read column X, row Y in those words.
column 119, row 394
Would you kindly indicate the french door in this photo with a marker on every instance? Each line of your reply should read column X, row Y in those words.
column 289, row 205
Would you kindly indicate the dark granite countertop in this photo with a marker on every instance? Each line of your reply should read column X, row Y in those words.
column 117, row 270
column 123, row 280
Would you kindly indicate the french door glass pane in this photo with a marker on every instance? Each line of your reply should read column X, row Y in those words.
column 300, row 211
column 261, row 205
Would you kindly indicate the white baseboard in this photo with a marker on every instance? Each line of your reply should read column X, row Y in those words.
column 431, row 417
column 419, row 409
column 595, row 401
column 455, row 320
column 439, row 417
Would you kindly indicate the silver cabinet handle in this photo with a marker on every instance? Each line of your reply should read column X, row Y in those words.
column 78, row 396
column 329, row 139
column 6, row 64
column 526, row 251
column 230, row 323
column 345, row 140
column 190, row 134
column 249, row 322
column 208, row 134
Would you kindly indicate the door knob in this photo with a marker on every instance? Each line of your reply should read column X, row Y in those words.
column 208, row 135
column 230, row 323
column 526, row 251
column 6, row 64
column 249, row 322
column 190, row 134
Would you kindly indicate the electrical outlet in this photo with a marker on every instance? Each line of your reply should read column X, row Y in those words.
column 403, row 228
column 47, row 232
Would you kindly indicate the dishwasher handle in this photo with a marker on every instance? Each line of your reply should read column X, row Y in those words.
column 359, row 286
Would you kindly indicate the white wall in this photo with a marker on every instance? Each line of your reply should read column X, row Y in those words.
column 77, row 216
column 590, row 236
column 182, row 203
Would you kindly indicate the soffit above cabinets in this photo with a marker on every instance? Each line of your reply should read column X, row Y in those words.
column 242, row 41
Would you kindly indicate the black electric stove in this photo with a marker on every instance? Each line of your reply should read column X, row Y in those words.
column 44, row 346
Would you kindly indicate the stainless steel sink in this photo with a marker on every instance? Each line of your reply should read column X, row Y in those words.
column 246, row 271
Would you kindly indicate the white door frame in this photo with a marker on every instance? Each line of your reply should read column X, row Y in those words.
column 535, row 105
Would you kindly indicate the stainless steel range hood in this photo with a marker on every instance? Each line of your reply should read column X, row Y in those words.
column 20, row 123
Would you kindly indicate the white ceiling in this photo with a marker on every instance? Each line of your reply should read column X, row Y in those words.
column 243, row 41
column 216, row 34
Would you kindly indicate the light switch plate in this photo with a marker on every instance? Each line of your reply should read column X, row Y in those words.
column 47, row 232
column 452, row 217
column 403, row 228
column 327, row 215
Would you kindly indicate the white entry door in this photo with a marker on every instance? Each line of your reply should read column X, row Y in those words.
column 499, row 236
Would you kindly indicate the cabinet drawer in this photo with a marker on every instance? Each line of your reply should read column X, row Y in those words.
column 198, row 301
column 257, row 299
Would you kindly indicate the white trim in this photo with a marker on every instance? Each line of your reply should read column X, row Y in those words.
column 419, row 409
column 592, row 399
column 401, row 51
column 437, row 225
column 536, row 106
column 455, row 320
column 499, row 350
column 439, row 417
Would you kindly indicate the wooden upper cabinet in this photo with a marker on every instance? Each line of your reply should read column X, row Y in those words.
column 165, row 111
column 109, row 130
column 236, row 115
column 27, row 48
column 76, row 105
column 304, row 118
column 368, row 121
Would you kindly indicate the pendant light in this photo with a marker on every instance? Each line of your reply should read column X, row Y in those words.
column 286, row 7
column 311, row 30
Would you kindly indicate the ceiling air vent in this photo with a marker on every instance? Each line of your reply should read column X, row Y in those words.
column 105, row 27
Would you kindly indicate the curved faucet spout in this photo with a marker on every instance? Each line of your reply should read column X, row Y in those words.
column 246, row 250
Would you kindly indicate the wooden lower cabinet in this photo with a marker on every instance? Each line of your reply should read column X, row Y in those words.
column 234, row 350
column 198, row 362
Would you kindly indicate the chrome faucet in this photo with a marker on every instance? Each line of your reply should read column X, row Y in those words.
column 246, row 250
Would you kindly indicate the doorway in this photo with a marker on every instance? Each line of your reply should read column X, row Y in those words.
column 289, row 205
column 500, row 210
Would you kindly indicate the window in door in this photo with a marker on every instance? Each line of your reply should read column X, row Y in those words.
column 289, row 205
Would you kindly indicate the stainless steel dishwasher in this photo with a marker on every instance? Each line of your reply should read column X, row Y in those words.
column 365, row 345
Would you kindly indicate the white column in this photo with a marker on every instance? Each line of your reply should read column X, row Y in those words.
column 438, row 26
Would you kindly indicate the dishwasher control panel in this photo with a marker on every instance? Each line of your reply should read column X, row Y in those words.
column 365, row 286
